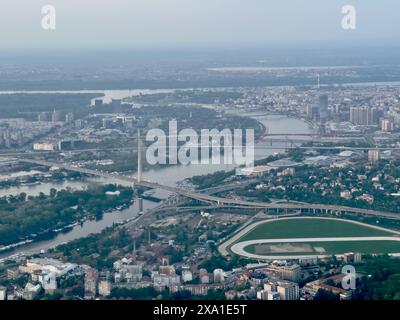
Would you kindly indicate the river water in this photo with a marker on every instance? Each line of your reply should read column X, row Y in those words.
column 169, row 175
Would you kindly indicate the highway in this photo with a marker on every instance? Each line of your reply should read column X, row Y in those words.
column 219, row 201
column 24, row 153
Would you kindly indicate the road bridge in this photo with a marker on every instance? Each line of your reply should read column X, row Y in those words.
column 275, row 207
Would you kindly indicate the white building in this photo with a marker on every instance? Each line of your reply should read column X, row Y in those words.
column 48, row 281
column 3, row 293
column 286, row 290
column 187, row 276
column 346, row 194
column 273, row 296
column 162, row 280
column 44, row 146
column 49, row 265
column 129, row 273
column 204, row 279
column 267, row 295
column 219, row 276
column 31, row 291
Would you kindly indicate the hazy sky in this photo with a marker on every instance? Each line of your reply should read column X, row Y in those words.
column 186, row 23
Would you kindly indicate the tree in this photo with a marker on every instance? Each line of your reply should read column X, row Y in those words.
column 326, row 295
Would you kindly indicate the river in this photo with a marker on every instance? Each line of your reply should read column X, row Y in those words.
column 169, row 175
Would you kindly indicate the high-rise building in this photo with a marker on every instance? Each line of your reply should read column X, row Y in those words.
column 104, row 288
column 116, row 105
column 291, row 272
column 374, row 115
column 139, row 159
column 78, row 124
column 56, row 116
column 91, row 277
column 323, row 108
column 98, row 103
column 373, row 155
column 270, row 286
column 288, row 290
column 69, row 117
column 387, row 125
column 3, row 293
column 337, row 113
column 361, row 116
column 313, row 112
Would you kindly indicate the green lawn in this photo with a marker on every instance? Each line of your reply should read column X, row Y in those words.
column 366, row 247
column 310, row 228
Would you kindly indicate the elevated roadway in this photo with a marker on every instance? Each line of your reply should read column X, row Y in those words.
column 219, row 201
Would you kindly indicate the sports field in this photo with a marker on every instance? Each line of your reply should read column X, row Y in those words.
column 310, row 228
column 305, row 236
column 366, row 247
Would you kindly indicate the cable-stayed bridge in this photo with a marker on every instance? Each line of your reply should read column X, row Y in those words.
column 220, row 201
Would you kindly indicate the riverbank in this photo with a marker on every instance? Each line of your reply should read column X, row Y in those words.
column 168, row 175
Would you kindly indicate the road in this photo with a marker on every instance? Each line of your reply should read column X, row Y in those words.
column 322, row 208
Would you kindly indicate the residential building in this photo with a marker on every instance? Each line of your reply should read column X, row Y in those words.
column 373, row 155
column 31, row 291
column 187, row 276
column 104, row 288
column 90, row 283
column 288, row 290
column 3, row 293
column 387, row 125
column 361, row 116
column 48, row 281
column 219, row 276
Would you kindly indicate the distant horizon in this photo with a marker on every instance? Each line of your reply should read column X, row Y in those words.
column 240, row 45
column 236, row 47
column 173, row 24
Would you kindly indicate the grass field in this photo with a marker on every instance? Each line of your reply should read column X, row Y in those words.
column 366, row 247
column 310, row 228
column 318, row 228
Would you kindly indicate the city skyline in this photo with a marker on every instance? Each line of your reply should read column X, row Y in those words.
column 201, row 150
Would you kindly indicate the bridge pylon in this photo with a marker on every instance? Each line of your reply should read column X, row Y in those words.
column 139, row 158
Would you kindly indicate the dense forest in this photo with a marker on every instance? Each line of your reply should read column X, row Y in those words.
column 27, row 106
column 22, row 216
column 380, row 279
